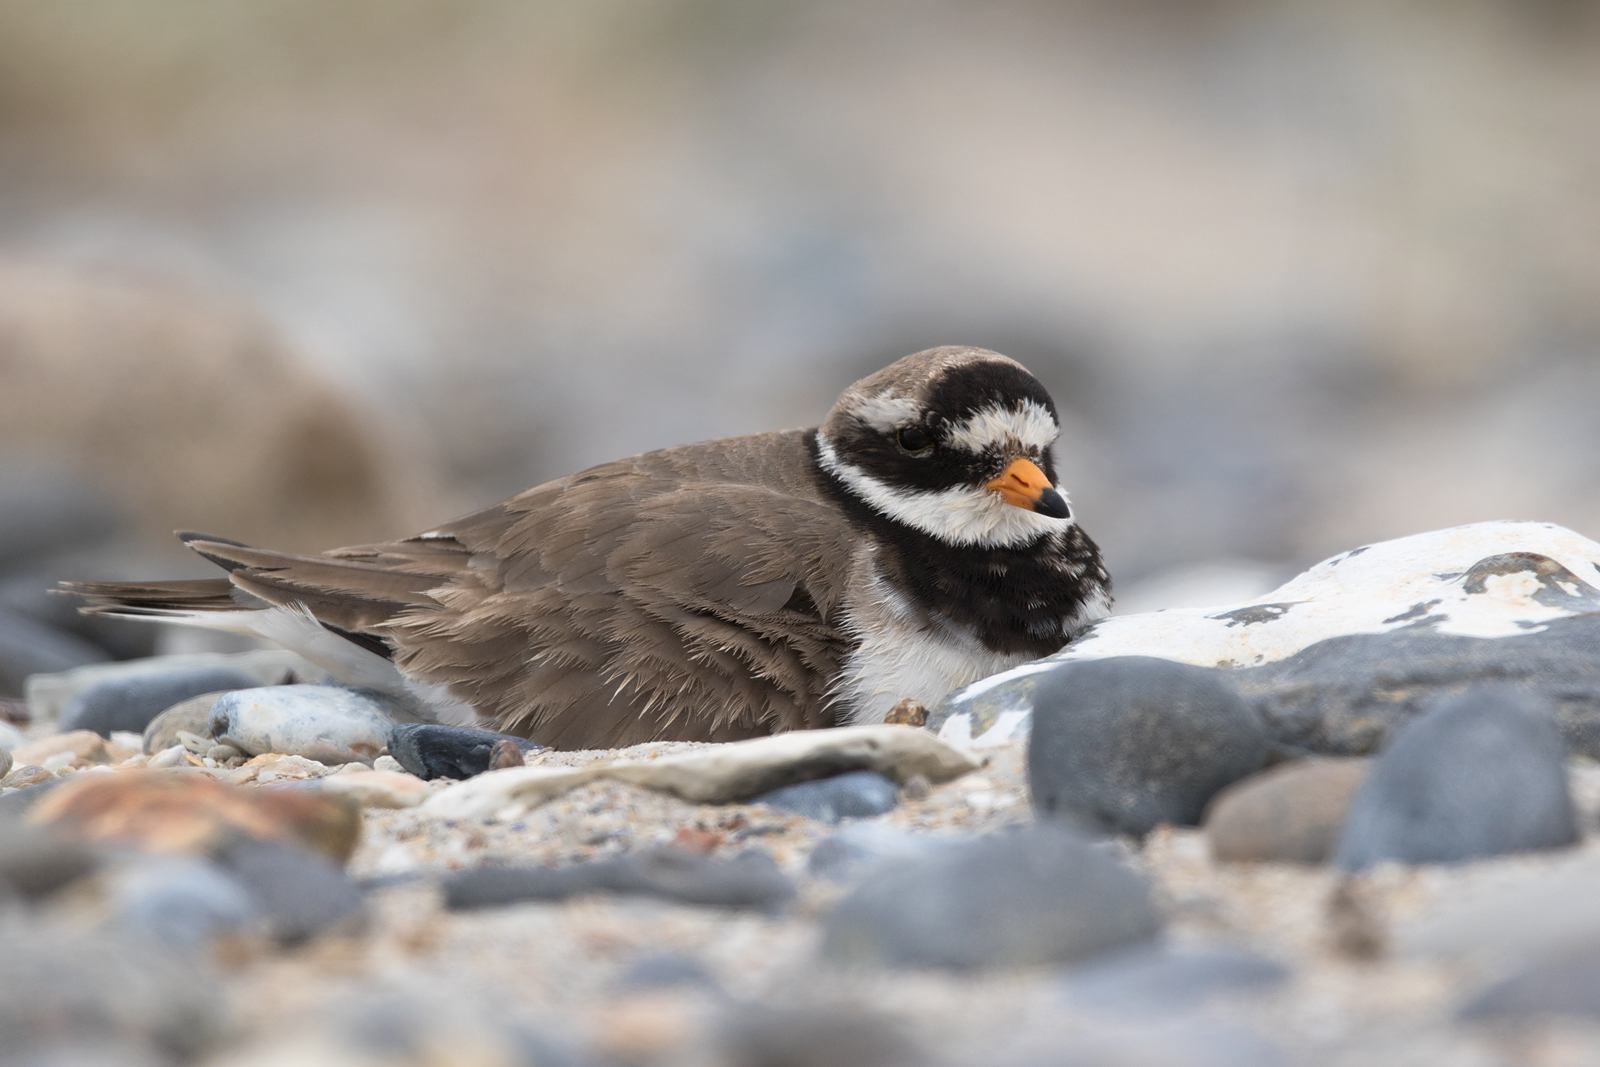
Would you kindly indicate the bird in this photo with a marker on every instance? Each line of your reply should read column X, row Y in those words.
column 913, row 543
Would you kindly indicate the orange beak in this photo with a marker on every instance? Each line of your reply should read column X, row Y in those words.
column 1023, row 485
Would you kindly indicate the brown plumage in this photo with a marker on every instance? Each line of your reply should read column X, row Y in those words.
column 710, row 592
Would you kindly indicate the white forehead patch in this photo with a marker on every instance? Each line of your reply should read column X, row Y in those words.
column 963, row 515
column 885, row 412
column 1029, row 425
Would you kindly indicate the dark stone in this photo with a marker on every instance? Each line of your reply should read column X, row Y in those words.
column 1567, row 985
column 1481, row 774
column 431, row 751
column 29, row 647
column 856, row 795
column 760, row 1036
column 132, row 702
column 1037, row 896
column 1292, row 813
column 35, row 863
column 1123, row 744
column 300, row 892
column 749, row 880
column 665, row 970
column 1347, row 695
column 1162, row 980
column 93, row 989
column 31, row 591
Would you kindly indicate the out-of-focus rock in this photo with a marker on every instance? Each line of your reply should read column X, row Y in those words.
column 119, row 1000
column 35, row 862
column 83, row 745
column 1162, row 980
column 301, row 893
column 1292, row 813
column 854, row 849
column 130, row 703
column 749, row 880
column 326, row 723
column 182, row 904
column 189, row 811
column 430, row 750
column 176, row 401
column 1038, row 896
column 26, row 775
column 28, row 647
column 1123, row 744
column 1566, row 985
column 48, row 694
column 856, row 795
column 379, row 789
column 5, row 764
column 1481, row 774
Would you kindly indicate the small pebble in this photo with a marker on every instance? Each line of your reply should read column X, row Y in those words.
column 749, row 880
column 431, row 751
column 856, row 794
column 192, row 715
column 25, row 776
column 505, row 753
column 1037, row 896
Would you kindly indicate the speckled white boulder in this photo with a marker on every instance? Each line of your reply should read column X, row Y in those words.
column 326, row 723
column 1486, row 580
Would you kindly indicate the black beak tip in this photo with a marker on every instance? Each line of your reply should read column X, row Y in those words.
column 1053, row 504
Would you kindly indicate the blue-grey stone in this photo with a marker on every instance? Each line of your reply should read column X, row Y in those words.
column 749, row 880
column 300, row 892
column 665, row 970
column 432, row 751
column 1480, row 774
column 1159, row 979
column 1037, row 896
column 854, row 795
column 1123, row 744
column 131, row 702
column 326, row 723
column 181, row 903
column 34, row 861
column 1568, row 984
column 852, row 850
column 759, row 1035
column 30, row 647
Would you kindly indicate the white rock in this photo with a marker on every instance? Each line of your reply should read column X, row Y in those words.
column 325, row 723
column 1489, row 579
column 11, row 737
column 718, row 774
column 171, row 757
column 388, row 763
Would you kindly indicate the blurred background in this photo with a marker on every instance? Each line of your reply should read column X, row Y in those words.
column 1301, row 275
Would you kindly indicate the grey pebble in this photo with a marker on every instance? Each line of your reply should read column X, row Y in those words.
column 1124, row 744
column 1036, row 896
column 35, row 862
column 666, row 970
column 1161, row 980
column 1480, row 774
column 852, row 850
column 853, row 795
column 750, row 879
column 180, row 903
column 5, row 763
column 300, row 893
column 430, row 751
column 755, row 1035
column 29, row 647
column 131, row 703
column 327, row 723
column 1567, row 985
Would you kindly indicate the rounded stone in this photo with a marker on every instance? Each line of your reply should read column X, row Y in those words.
column 130, row 703
column 1038, row 896
column 431, row 750
column 180, row 903
column 329, row 724
column 857, row 794
column 1479, row 774
column 1125, row 744
column 1292, row 813
column 188, row 716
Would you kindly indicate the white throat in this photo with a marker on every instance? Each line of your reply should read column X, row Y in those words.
column 964, row 515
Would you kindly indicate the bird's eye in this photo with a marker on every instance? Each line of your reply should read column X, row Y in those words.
column 914, row 439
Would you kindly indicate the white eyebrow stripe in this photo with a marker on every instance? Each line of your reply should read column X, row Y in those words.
column 885, row 412
column 1030, row 424
column 961, row 515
